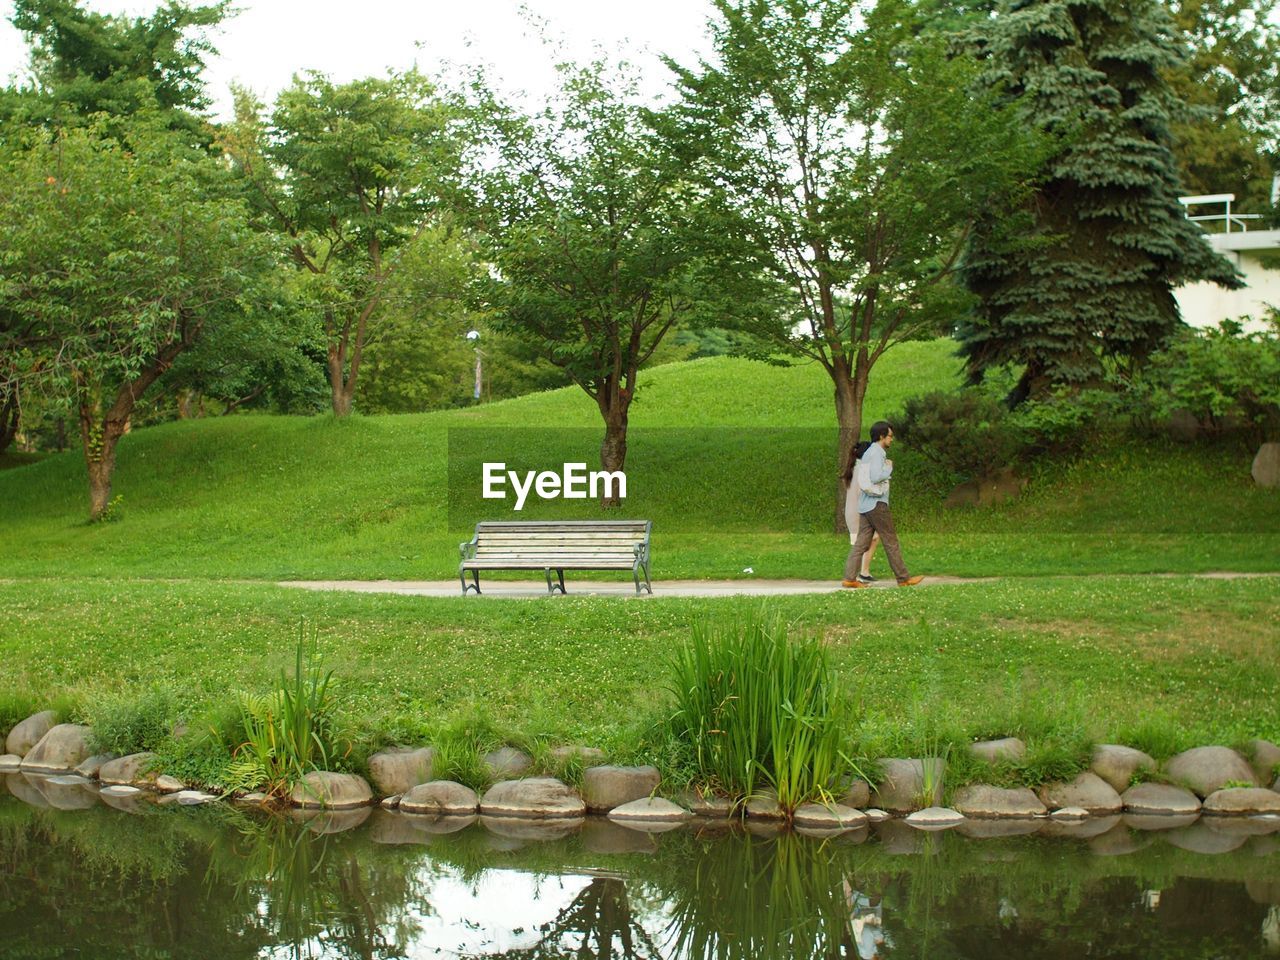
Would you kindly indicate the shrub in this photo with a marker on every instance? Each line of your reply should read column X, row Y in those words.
column 1219, row 375
column 966, row 432
column 757, row 707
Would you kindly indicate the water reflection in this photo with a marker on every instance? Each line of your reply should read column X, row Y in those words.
column 89, row 880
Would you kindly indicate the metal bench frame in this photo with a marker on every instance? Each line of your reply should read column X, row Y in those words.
column 639, row 562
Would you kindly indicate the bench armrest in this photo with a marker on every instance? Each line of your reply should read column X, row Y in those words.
column 467, row 549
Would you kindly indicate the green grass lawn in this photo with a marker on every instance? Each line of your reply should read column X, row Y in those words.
column 731, row 459
column 1162, row 663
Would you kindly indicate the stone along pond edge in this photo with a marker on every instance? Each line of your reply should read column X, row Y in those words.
column 1213, row 781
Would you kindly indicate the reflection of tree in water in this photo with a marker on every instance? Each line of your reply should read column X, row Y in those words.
column 776, row 898
column 332, row 895
column 598, row 924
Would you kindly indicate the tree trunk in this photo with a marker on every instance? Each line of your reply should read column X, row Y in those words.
column 850, row 391
column 9, row 416
column 184, row 404
column 99, row 434
column 613, row 452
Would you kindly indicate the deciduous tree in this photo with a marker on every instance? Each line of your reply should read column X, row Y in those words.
column 350, row 175
column 856, row 157
column 118, row 254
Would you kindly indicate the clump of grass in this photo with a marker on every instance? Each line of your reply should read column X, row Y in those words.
column 290, row 731
column 759, row 708
column 127, row 724
column 16, row 707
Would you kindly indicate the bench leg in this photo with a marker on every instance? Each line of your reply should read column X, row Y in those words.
column 551, row 588
column 475, row 576
column 635, row 573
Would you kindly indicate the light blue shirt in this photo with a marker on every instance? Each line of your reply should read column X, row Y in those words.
column 880, row 471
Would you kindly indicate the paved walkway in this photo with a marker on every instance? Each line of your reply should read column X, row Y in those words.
column 667, row 588
column 595, row 588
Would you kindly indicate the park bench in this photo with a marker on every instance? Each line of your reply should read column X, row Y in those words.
column 557, row 545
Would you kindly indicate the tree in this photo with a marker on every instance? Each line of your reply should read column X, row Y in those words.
column 856, row 158
column 88, row 63
column 118, row 253
column 598, row 238
column 350, row 175
column 1109, row 240
column 1230, row 77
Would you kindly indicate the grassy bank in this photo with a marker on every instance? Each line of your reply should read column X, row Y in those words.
column 1162, row 663
column 732, row 460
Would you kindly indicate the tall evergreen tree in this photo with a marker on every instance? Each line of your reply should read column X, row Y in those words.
column 1103, row 241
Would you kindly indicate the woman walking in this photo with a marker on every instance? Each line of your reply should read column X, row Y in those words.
column 858, row 568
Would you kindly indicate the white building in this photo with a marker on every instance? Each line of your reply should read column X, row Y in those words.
column 1207, row 304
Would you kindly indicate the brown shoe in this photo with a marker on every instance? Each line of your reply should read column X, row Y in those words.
column 910, row 581
column 853, row 584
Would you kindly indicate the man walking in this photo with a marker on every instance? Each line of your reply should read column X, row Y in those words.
column 873, row 506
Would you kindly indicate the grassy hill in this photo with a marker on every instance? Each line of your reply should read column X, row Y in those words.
column 731, row 459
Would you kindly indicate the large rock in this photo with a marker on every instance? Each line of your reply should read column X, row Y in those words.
column 1239, row 801
column 537, row 797
column 333, row 791
column 1266, row 760
column 135, row 769
column 994, row 751
column 650, row 810
column 764, row 805
column 10, row 763
column 1117, row 765
column 440, row 798
column 905, row 786
column 506, row 763
column 1209, row 769
column 857, row 794
column 935, row 818
column 64, row 747
column 28, row 733
column 986, row 802
column 92, row 765
column 1266, row 465
column 819, row 816
column 1160, row 798
column 606, row 787
column 1088, row 791
column 397, row 769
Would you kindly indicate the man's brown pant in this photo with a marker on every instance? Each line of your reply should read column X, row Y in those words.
column 878, row 520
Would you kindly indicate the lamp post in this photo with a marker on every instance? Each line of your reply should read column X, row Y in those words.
column 474, row 337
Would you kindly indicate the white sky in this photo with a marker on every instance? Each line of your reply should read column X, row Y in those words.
column 269, row 40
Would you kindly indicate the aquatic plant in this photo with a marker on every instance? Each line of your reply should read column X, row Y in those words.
column 290, row 731
column 760, row 708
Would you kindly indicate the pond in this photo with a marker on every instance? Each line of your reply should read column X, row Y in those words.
column 224, row 882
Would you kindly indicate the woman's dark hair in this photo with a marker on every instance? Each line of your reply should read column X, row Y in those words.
column 879, row 430
column 859, row 449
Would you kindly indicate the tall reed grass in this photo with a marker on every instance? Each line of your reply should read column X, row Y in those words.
column 291, row 730
column 760, row 709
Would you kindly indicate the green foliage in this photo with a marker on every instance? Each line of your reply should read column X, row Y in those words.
column 1087, row 273
column 759, row 708
column 850, row 153
column 126, row 723
column 1220, row 375
column 1228, row 81
column 965, row 432
column 87, row 63
column 133, row 196
column 290, row 731
column 350, row 178
column 599, row 242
